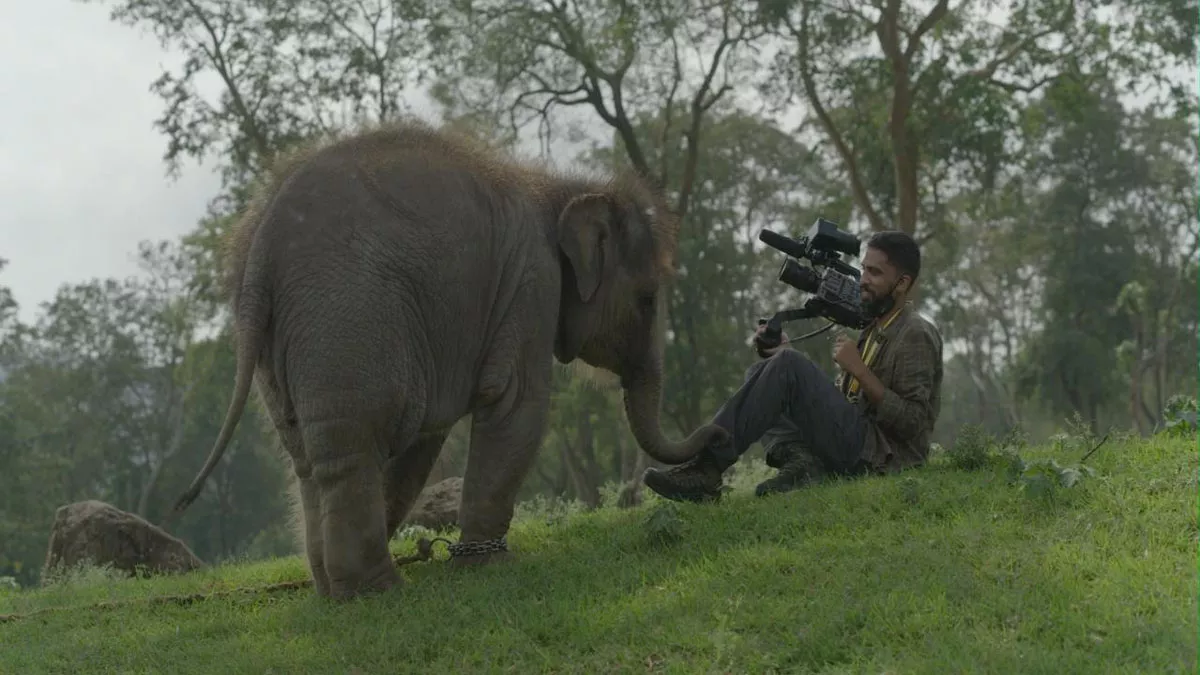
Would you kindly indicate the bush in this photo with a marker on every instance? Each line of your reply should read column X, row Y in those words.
column 974, row 448
column 1179, row 416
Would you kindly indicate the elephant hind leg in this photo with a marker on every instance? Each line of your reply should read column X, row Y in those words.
column 305, row 498
column 346, row 457
column 405, row 474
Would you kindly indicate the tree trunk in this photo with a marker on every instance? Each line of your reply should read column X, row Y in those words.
column 573, row 456
column 178, row 422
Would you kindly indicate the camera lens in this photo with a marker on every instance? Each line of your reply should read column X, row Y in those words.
column 799, row 276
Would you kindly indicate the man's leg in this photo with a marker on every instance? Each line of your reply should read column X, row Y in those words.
column 786, row 386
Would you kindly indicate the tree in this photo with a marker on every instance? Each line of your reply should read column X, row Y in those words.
column 943, row 83
column 287, row 72
column 523, row 61
column 8, row 307
column 1160, row 301
column 1079, row 152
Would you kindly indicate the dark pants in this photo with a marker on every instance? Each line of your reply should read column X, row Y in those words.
column 787, row 399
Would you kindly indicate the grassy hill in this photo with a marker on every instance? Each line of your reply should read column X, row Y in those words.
column 940, row 570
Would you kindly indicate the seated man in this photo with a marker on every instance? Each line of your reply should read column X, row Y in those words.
column 876, row 417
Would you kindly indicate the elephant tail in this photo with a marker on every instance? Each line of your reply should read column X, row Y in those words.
column 253, row 314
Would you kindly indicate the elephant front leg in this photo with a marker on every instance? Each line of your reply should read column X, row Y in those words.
column 504, row 442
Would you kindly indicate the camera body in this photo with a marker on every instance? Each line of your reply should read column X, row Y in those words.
column 831, row 282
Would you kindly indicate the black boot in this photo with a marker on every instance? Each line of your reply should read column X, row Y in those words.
column 696, row 480
column 798, row 470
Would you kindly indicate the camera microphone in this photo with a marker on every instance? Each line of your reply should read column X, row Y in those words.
column 783, row 243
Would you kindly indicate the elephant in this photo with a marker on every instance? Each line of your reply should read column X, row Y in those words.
column 385, row 284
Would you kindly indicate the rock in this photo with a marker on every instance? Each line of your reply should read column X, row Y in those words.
column 100, row 534
column 437, row 506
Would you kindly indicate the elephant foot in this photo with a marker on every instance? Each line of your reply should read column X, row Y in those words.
column 320, row 581
column 378, row 580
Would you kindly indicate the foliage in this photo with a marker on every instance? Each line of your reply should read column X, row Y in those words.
column 664, row 525
column 915, row 104
column 886, row 585
column 1042, row 479
column 1180, row 416
column 974, row 448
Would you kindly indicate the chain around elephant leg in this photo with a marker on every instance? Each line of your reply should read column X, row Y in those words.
column 504, row 443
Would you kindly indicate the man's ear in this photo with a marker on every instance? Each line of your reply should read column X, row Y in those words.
column 583, row 234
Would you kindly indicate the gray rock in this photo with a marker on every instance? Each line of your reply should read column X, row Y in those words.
column 437, row 506
column 97, row 533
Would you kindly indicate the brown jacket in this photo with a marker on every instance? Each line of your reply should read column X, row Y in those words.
column 909, row 363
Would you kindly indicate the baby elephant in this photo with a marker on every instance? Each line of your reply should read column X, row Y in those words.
column 389, row 283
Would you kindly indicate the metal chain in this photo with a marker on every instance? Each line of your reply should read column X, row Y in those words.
column 466, row 548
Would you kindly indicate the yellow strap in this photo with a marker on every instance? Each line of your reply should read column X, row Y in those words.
column 870, row 348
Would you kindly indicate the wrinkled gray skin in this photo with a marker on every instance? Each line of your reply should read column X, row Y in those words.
column 391, row 283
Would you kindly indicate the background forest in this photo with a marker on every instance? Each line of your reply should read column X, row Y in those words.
column 1043, row 151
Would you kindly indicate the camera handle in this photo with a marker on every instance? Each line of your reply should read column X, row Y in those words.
column 772, row 336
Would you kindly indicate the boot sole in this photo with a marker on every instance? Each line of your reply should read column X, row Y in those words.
column 699, row 497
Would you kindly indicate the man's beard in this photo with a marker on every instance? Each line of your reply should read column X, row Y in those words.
column 876, row 307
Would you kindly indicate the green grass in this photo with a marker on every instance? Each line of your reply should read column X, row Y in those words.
column 939, row 570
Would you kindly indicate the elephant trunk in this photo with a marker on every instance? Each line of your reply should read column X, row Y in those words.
column 643, row 397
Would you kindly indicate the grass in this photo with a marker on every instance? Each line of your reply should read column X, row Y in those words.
column 940, row 570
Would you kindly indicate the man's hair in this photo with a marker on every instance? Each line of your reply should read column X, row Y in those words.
column 901, row 251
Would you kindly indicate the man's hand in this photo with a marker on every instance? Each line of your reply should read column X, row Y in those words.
column 763, row 350
column 845, row 354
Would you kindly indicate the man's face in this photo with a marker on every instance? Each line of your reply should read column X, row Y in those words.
column 878, row 276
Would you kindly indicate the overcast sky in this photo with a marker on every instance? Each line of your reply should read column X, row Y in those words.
column 82, row 179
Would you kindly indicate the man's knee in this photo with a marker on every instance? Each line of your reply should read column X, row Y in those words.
column 790, row 362
column 786, row 360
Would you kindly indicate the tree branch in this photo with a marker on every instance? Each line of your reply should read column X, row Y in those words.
column 988, row 70
column 857, row 189
column 248, row 122
column 936, row 14
column 669, row 112
column 1029, row 88
column 701, row 102
column 575, row 48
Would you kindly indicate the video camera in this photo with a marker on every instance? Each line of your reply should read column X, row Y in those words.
column 834, row 289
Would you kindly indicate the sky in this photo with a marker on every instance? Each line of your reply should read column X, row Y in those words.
column 82, row 179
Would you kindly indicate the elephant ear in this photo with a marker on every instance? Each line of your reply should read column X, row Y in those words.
column 583, row 234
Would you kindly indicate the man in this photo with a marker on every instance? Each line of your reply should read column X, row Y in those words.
column 876, row 417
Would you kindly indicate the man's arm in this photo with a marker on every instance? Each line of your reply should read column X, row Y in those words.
column 904, row 408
